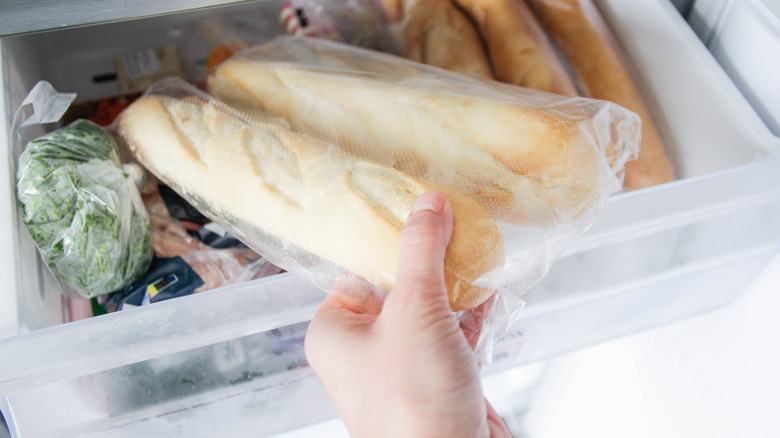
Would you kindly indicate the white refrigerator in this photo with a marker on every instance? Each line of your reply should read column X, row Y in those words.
column 659, row 321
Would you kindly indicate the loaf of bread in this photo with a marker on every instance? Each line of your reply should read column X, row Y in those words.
column 582, row 36
column 437, row 33
column 528, row 163
column 302, row 191
column 520, row 52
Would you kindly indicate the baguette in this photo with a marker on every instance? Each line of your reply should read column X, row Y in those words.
column 518, row 47
column 527, row 165
column 298, row 189
column 581, row 34
column 437, row 33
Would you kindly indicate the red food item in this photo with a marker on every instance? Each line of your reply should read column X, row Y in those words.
column 222, row 53
column 217, row 267
column 169, row 237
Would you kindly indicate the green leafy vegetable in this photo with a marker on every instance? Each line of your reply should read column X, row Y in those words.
column 82, row 210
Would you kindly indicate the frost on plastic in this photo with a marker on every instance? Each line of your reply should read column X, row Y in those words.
column 313, row 153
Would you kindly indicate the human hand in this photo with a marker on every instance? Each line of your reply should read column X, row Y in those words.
column 407, row 371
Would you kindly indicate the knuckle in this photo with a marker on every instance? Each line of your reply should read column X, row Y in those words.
column 424, row 227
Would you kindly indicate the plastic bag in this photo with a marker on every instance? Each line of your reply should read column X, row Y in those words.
column 186, row 274
column 192, row 254
column 82, row 210
column 356, row 22
column 363, row 134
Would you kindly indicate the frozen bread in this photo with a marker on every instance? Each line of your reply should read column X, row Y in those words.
column 300, row 190
column 580, row 32
column 519, row 50
column 438, row 33
column 527, row 157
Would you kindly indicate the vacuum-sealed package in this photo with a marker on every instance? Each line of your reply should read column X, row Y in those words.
column 80, row 206
column 314, row 152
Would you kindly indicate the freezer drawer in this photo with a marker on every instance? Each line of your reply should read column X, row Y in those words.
column 230, row 360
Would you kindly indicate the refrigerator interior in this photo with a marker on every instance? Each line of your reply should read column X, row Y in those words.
column 232, row 358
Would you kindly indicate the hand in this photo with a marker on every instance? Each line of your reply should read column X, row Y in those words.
column 407, row 371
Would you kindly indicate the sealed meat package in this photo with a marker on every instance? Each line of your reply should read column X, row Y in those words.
column 313, row 153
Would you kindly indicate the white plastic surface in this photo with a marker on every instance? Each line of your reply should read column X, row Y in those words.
column 131, row 336
column 703, row 16
column 707, row 123
column 9, row 322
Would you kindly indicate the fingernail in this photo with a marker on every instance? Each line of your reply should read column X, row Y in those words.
column 431, row 201
column 424, row 206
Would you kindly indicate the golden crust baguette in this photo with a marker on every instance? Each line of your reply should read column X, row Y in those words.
column 581, row 34
column 518, row 47
column 529, row 165
column 304, row 192
column 437, row 33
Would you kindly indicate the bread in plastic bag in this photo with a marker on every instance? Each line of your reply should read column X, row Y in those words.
column 438, row 33
column 82, row 210
column 295, row 198
column 530, row 158
column 351, row 137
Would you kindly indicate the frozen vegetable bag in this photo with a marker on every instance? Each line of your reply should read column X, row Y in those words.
column 79, row 205
column 314, row 152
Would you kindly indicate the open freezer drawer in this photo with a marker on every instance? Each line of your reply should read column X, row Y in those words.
column 230, row 361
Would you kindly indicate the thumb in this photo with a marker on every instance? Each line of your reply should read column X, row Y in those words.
column 423, row 245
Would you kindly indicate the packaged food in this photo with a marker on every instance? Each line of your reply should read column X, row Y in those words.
column 519, row 49
column 530, row 158
column 82, row 210
column 317, row 161
column 438, row 33
column 356, row 22
column 296, row 193
column 600, row 70
column 192, row 254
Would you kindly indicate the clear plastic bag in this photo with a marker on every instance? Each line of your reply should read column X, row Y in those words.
column 319, row 139
column 81, row 208
column 356, row 22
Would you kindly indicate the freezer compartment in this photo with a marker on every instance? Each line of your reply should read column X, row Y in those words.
column 653, row 256
column 249, row 386
column 82, row 60
column 709, row 127
column 179, row 368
